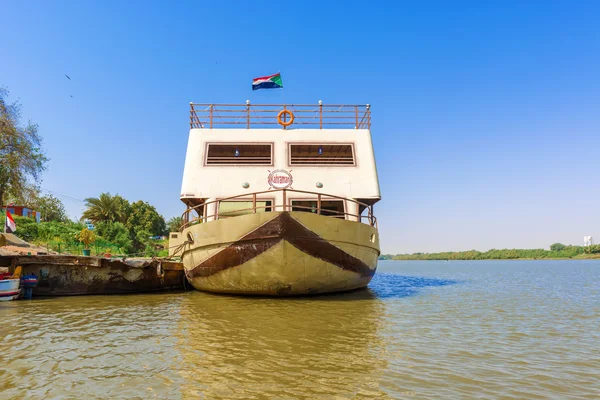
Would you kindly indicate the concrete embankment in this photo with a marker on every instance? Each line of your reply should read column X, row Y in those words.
column 63, row 275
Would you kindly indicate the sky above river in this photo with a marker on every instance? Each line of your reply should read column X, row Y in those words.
column 486, row 115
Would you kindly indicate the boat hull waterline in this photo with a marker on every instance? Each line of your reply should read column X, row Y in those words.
column 9, row 289
column 280, row 254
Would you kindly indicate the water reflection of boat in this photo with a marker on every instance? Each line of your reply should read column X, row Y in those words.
column 294, row 348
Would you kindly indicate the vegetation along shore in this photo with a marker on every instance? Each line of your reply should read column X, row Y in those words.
column 557, row 251
column 120, row 227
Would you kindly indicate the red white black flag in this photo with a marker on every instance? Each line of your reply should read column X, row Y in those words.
column 9, row 226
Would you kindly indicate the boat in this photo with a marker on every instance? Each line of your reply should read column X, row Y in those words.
column 70, row 275
column 279, row 199
column 9, row 285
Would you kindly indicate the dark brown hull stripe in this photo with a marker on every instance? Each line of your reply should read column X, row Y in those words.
column 282, row 227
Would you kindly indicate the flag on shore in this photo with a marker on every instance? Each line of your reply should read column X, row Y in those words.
column 267, row 82
column 9, row 225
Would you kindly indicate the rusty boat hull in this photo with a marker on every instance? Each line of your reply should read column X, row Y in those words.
column 67, row 275
column 280, row 254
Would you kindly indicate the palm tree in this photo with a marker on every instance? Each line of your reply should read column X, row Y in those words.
column 106, row 208
column 174, row 224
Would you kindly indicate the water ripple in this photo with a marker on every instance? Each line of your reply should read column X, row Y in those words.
column 422, row 330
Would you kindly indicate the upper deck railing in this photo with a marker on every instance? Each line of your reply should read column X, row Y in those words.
column 321, row 116
column 199, row 213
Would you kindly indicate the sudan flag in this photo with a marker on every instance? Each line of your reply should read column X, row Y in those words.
column 267, row 82
column 9, row 225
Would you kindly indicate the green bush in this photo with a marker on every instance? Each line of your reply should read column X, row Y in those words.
column 117, row 233
column 557, row 247
column 593, row 249
column 117, row 237
column 31, row 231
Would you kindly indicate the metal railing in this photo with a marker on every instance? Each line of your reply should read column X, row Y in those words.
column 208, row 116
column 202, row 217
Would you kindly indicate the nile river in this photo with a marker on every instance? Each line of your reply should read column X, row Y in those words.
column 423, row 330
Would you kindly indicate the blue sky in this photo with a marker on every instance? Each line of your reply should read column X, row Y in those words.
column 486, row 115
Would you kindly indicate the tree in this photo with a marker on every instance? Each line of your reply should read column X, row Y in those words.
column 557, row 247
column 123, row 208
column 115, row 232
column 144, row 217
column 51, row 208
column 22, row 159
column 106, row 208
column 174, row 224
column 592, row 249
column 143, row 243
column 29, row 195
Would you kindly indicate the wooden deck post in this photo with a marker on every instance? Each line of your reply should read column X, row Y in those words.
column 284, row 200
column 247, row 114
column 319, row 204
column 320, row 114
column 192, row 116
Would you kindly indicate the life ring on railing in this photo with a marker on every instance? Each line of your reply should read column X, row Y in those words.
column 285, row 123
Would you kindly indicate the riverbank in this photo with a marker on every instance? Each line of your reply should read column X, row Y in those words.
column 68, row 275
column 557, row 252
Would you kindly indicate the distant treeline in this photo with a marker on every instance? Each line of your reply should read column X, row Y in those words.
column 557, row 250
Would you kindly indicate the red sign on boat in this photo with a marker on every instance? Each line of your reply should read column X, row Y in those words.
column 280, row 179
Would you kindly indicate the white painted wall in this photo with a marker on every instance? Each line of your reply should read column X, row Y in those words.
column 214, row 182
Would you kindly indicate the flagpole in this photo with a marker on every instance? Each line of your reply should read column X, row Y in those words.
column 282, row 92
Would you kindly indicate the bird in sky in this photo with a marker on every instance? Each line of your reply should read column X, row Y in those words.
column 68, row 77
column 71, row 96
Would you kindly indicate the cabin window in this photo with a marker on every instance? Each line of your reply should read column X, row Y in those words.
column 239, row 154
column 332, row 208
column 236, row 208
column 321, row 154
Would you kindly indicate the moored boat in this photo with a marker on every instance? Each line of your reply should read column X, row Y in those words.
column 279, row 211
column 9, row 285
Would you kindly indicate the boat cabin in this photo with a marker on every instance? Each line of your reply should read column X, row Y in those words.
column 249, row 158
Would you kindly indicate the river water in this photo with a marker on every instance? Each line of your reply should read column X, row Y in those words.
column 424, row 330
